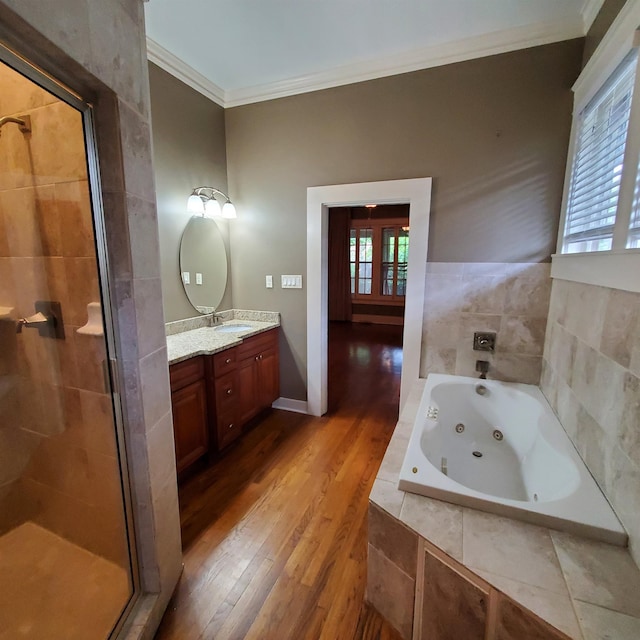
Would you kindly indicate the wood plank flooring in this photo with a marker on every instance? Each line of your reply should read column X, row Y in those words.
column 275, row 533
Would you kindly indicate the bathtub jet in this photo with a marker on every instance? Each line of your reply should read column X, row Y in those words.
column 503, row 451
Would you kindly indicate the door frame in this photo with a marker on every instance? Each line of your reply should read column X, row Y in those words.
column 416, row 192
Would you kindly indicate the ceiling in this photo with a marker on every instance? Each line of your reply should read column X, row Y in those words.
column 242, row 51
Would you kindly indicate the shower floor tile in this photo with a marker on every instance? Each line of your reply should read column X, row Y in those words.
column 51, row 588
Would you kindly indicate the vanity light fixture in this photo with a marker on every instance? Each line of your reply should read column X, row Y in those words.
column 203, row 202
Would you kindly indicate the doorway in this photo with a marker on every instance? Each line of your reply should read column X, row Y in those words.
column 67, row 565
column 416, row 193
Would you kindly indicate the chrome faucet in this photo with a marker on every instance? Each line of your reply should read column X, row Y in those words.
column 483, row 367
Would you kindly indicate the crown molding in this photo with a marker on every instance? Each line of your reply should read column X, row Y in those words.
column 424, row 58
column 166, row 60
column 433, row 56
column 589, row 12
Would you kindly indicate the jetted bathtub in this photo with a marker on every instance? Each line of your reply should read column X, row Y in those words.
column 499, row 447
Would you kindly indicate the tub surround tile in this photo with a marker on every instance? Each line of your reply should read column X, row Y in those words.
column 599, row 573
column 516, row 368
column 556, row 608
column 390, row 591
column 599, row 623
column 391, row 464
column 522, row 335
column 435, row 520
column 584, row 312
column 446, row 268
column 387, row 496
column 528, row 295
column 397, row 542
column 620, row 325
column 592, row 381
column 513, row 621
column 510, row 299
column 511, row 549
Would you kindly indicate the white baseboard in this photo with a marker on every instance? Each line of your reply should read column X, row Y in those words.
column 288, row 404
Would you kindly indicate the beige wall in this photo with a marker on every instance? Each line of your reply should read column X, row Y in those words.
column 591, row 377
column 492, row 133
column 607, row 14
column 97, row 48
column 188, row 151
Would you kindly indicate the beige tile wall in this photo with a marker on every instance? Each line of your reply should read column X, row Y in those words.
column 510, row 299
column 591, row 377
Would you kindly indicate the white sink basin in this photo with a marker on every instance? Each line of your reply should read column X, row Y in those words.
column 233, row 328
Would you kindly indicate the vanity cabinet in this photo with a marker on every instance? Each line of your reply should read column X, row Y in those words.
column 224, row 391
column 258, row 374
column 190, row 413
column 213, row 397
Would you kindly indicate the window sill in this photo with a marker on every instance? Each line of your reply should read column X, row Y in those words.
column 619, row 270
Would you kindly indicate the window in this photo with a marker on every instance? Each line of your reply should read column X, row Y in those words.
column 600, row 142
column 379, row 256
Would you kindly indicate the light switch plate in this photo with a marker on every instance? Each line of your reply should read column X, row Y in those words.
column 186, row 278
column 198, row 278
column 269, row 282
column 291, row 282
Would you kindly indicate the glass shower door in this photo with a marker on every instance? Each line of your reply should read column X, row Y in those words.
column 65, row 560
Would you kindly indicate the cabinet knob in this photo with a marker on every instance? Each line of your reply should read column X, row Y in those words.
column 231, row 426
column 229, row 392
column 227, row 361
column 257, row 357
column 260, row 356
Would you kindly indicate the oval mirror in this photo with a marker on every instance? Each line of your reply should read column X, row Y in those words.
column 204, row 258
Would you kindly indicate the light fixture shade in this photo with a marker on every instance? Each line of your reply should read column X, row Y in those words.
column 195, row 204
column 229, row 210
column 212, row 208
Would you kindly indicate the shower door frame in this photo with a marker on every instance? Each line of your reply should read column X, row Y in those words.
column 41, row 78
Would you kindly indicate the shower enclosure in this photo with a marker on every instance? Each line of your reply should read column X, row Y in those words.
column 67, row 565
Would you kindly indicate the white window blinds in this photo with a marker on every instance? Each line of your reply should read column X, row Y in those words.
column 597, row 165
column 633, row 239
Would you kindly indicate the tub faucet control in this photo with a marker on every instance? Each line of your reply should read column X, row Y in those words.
column 484, row 341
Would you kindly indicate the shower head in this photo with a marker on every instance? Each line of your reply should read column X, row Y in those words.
column 24, row 122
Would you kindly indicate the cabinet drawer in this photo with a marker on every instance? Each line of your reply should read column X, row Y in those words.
column 252, row 346
column 184, row 373
column 228, row 428
column 226, row 392
column 225, row 361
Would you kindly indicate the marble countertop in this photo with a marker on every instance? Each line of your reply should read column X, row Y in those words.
column 587, row 589
column 207, row 340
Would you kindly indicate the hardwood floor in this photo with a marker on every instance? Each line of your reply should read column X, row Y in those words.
column 275, row 534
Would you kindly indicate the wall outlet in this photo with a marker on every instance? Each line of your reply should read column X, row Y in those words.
column 269, row 282
column 291, row 282
column 198, row 278
column 186, row 278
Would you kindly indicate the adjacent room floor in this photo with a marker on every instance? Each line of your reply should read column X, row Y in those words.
column 275, row 534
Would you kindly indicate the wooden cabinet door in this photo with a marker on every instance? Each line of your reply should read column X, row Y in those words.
column 247, row 385
column 190, row 423
column 268, row 377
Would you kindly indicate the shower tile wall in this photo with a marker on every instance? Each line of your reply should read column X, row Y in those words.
column 511, row 299
column 58, row 463
column 591, row 377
